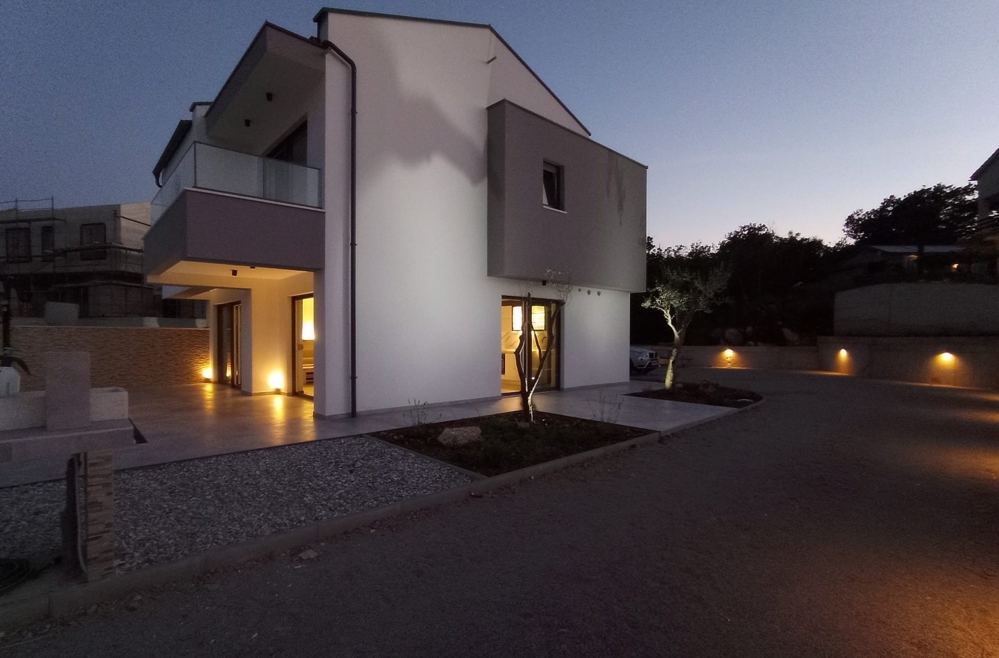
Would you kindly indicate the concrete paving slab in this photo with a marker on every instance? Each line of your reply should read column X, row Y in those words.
column 202, row 420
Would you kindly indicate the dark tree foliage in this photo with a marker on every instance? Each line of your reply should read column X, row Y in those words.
column 938, row 215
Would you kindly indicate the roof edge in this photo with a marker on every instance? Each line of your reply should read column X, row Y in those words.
column 183, row 127
column 985, row 165
column 372, row 14
column 559, row 125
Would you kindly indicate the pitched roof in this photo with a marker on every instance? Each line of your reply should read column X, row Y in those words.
column 371, row 14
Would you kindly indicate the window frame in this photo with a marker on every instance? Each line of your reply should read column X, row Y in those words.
column 93, row 254
column 8, row 252
column 50, row 230
column 559, row 175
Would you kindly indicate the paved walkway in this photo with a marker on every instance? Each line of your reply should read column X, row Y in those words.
column 201, row 420
column 843, row 517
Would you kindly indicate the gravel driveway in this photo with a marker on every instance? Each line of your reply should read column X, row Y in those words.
column 842, row 517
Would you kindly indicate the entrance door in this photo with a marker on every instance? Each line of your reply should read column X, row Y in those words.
column 303, row 334
column 544, row 330
column 227, row 354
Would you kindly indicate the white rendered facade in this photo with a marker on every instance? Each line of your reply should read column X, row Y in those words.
column 427, row 314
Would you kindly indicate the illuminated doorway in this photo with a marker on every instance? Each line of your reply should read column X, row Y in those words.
column 303, row 346
column 227, row 352
column 545, row 330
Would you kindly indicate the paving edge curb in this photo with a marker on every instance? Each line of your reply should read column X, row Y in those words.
column 65, row 601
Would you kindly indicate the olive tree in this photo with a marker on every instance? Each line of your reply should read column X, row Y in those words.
column 681, row 294
column 529, row 373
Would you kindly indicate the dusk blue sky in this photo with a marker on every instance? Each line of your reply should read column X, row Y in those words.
column 790, row 114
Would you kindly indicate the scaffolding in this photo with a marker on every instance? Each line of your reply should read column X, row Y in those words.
column 104, row 277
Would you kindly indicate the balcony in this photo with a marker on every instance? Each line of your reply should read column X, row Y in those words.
column 220, row 208
column 217, row 169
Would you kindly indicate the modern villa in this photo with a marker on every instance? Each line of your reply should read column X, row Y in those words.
column 366, row 210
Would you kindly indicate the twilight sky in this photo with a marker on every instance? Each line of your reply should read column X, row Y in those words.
column 789, row 113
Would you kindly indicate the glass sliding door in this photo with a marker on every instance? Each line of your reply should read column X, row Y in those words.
column 542, row 324
column 227, row 352
column 303, row 335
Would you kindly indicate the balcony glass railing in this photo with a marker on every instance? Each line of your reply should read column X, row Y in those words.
column 221, row 170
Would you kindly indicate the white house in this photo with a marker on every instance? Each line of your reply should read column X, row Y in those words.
column 365, row 209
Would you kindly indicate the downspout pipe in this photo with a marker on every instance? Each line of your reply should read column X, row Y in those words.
column 353, row 220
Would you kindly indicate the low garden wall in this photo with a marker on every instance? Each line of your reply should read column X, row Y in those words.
column 950, row 361
column 128, row 357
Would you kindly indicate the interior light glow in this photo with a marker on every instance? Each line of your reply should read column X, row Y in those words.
column 276, row 380
column 518, row 318
column 538, row 318
column 206, row 374
column 308, row 319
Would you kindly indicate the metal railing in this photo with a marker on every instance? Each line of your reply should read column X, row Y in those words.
column 219, row 169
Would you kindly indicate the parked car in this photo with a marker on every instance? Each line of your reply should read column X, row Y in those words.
column 643, row 360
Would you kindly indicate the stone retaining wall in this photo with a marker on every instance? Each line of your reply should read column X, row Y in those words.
column 128, row 357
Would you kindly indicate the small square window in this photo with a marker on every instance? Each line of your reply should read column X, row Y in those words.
column 93, row 234
column 18, row 245
column 552, row 195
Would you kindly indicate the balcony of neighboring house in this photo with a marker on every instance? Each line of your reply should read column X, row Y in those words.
column 254, row 202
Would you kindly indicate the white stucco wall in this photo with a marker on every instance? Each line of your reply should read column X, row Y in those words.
column 428, row 317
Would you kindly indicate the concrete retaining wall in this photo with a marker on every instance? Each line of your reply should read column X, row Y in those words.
column 918, row 309
column 972, row 362
column 761, row 356
column 128, row 357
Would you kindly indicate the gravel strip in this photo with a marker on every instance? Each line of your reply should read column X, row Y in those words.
column 167, row 512
column 29, row 519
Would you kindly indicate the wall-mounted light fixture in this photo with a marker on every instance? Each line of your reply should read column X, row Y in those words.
column 842, row 353
column 276, row 381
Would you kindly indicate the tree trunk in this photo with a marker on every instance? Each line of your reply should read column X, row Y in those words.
column 669, row 368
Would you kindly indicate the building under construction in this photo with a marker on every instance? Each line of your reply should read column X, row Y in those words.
column 90, row 256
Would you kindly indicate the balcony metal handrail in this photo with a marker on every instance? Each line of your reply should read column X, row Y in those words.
column 219, row 169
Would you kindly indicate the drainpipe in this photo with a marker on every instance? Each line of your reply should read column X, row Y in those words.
column 329, row 45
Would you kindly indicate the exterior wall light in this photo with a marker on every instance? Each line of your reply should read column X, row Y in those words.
column 842, row 353
column 728, row 354
column 276, row 381
column 946, row 357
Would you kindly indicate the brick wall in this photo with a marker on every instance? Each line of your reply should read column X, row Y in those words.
column 129, row 357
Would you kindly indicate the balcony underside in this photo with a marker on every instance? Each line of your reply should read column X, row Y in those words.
column 211, row 228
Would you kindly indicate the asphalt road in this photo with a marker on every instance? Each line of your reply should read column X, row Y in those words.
column 842, row 517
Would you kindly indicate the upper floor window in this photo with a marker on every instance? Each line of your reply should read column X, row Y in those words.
column 293, row 148
column 93, row 234
column 18, row 245
column 48, row 242
column 552, row 189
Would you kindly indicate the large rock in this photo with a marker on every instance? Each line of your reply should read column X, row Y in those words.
column 455, row 437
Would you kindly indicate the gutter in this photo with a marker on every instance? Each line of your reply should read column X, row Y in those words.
column 329, row 45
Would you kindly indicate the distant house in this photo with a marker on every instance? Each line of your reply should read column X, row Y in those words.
column 876, row 264
column 90, row 256
column 364, row 211
column 987, row 178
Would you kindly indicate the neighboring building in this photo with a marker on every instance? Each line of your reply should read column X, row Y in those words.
column 90, row 256
column 987, row 179
column 463, row 178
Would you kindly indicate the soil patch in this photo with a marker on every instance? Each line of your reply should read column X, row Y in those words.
column 704, row 393
column 509, row 444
